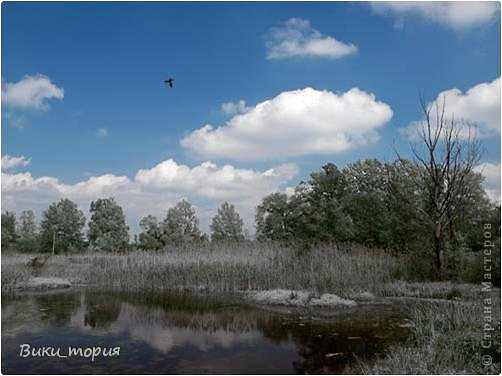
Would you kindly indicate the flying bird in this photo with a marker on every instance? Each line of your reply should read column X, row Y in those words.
column 170, row 82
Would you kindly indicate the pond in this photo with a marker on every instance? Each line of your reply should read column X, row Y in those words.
column 189, row 334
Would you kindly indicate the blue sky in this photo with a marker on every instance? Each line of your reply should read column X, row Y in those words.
column 103, row 110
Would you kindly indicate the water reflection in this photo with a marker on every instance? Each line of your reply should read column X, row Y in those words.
column 187, row 334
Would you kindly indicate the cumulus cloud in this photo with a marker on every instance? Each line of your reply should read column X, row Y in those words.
column 491, row 173
column 210, row 181
column 232, row 108
column 32, row 92
column 458, row 15
column 477, row 110
column 296, row 38
column 295, row 123
column 101, row 132
column 9, row 161
column 154, row 190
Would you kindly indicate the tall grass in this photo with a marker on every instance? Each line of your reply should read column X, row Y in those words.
column 224, row 268
column 430, row 290
column 14, row 269
column 446, row 339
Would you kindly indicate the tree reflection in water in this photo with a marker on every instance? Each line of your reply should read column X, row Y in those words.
column 189, row 334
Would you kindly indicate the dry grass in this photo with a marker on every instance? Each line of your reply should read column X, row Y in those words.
column 14, row 270
column 430, row 290
column 446, row 340
column 219, row 268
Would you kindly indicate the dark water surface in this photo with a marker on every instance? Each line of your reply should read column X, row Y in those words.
column 190, row 334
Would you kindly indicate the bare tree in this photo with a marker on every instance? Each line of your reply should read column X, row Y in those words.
column 449, row 151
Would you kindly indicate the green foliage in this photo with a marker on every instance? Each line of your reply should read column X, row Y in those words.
column 64, row 222
column 323, row 196
column 383, row 206
column 27, row 232
column 272, row 218
column 227, row 224
column 107, row 228
column 479, row 262
column 366, row 200
column 384, row 201
column 150, row 237
column 405, row 201
column 313, row 214
column 8, row 230
column 181, row 224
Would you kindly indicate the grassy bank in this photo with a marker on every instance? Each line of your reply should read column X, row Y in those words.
column 248, row 266
column 447, row 339
column 217, row 268
column 430, row 290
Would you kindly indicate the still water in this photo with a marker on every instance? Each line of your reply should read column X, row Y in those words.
column 191, row 334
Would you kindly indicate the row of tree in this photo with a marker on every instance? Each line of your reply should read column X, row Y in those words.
column 181, row 225
column 368, row 202
column 371, row 203
column 62, row 228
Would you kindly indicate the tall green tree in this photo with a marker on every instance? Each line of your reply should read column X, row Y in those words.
column 62, row 225
column 107, row 228
column 324, row 195
column 150, row 237
column 8, row 230
column 405, row 204
column 366, row 202
column 27, row 232
column 181, row 224
column 273, row 217
column 474, row 210
column 314, row 213
column 227, row 224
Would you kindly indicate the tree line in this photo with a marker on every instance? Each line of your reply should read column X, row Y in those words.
column 368, row 202
column 62, row 228
column 378, row 205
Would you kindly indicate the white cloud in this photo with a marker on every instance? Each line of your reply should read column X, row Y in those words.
column 296, row 38
column 232, row 108
column 210, row 181
column 491, row 173
column 479, row 107
column 8, row 162
column 101, row 132
column 458, row 15
column 295, row 123
column 153, row 191
column 32, row 92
